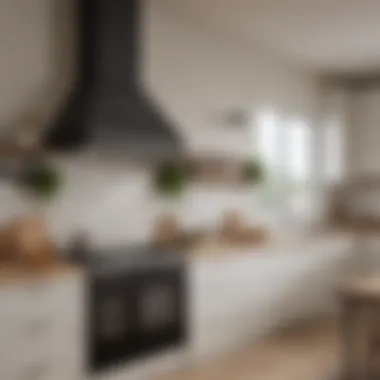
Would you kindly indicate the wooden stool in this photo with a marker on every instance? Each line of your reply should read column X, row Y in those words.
column 361, row 332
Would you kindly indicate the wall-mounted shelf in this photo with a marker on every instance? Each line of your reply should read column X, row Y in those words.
column 14, row 158
column 12, row 150
column 219, row 171
column 216, row 171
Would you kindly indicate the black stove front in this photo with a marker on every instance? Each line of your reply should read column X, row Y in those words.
column 136, row 310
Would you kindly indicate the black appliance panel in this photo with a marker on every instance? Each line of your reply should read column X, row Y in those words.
column 136, row 312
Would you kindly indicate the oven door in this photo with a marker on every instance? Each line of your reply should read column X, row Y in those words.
column 161, row 309
column 136, row 313
column 113, row 332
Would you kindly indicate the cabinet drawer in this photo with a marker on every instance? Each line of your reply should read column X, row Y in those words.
column 39, row 360
column 41, row 330
column 36, row 333
column 54, row 295
column 49, row 336
column 40, row 371
column 60, row 299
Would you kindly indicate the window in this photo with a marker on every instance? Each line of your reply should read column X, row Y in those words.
column 299, row 168
column 284, row 145
column 267, row 139
column 297, row 156
column 333, row 143
column 298, row 152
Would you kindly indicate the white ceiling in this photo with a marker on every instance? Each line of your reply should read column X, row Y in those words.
column 325, row 35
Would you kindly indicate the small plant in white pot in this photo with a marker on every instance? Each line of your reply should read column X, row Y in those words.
column 254, row 176
column 171, row 180
column 42, row 181
column 170, row 183
column 254, row 172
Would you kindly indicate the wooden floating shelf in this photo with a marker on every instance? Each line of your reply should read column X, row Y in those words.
column 216, row 170
column 16, row 151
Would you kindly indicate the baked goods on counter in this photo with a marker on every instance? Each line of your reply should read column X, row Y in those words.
column 26, row 241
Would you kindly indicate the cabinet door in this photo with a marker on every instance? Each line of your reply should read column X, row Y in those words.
column 112, row 321
column 161, row 308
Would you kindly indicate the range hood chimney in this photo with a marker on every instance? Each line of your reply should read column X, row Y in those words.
column 108, row 108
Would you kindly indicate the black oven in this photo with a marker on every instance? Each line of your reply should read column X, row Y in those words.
column 135, row 311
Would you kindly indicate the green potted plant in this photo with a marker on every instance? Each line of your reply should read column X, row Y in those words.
column 42, row 180
column 254, row 172
column 171, row 179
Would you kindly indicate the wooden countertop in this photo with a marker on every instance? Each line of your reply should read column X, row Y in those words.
column 275, row 245
column 367, row 287
column 16, row 273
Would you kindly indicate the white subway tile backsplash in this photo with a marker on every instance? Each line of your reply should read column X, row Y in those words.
column 114, row 203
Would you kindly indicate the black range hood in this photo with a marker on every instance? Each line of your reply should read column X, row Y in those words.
column 108, row 108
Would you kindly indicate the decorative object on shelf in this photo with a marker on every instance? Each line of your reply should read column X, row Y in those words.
column 167, row 231
column 233, row 226
column 42, row 180
column 235, row 230
column 171, row 179
column 254, row 172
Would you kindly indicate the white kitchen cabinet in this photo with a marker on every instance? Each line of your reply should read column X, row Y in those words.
column 367, row 258
column 233, row 301
column 239, row 298
column 41, row 328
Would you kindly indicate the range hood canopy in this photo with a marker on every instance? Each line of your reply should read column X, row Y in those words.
column 108, row 108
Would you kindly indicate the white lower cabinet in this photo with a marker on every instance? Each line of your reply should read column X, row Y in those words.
column 232, row 301
column 238, row 299
column 41, row 329
column 367, row 260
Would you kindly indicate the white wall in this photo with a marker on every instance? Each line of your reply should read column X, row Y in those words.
column 199, row 75
column 195, row 74
column 36, row 61
column 24, row 63
column 365, row 133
